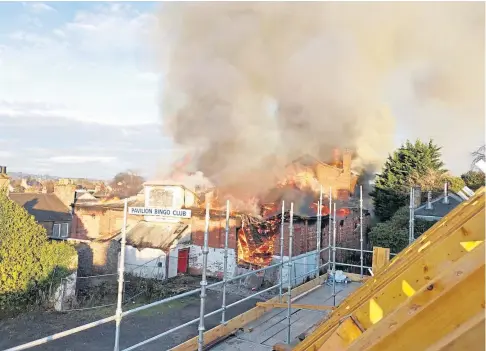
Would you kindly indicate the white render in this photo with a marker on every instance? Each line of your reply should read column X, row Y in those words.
column 215, row 260
column 150, row 263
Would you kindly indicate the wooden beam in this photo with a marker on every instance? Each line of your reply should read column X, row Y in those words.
column 296, row 306
column 347, row 331
column 433, row 312
column 381, row 258
column 241, row 320
column 469, row 336
column 413, row 255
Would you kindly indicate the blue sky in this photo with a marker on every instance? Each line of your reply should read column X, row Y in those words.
column 78, row 91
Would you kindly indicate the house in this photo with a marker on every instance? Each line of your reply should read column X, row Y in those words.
column 161, row 247
column 337, row 174
column 436, row 208
column 48, row 210
column 4, row 179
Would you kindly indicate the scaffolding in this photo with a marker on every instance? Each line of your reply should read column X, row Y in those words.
column 279, row 286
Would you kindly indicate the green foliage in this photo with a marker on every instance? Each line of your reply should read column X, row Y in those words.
column 394, row 232
column 28, row 260
column 455, row 183
column 474, row 179
column 408, row 162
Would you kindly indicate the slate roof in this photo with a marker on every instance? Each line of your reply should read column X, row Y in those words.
column 44, row 207
column 155, row 234
column 439, row 209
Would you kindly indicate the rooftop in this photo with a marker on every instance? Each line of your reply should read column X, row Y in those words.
column 44, row 207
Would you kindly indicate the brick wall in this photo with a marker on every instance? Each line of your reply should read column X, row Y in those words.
column 94, row 223
column 216, row 232
column 305, row 235
column 97, row 257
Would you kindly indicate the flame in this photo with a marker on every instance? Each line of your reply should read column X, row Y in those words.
column 324, row 209
column 256, row 241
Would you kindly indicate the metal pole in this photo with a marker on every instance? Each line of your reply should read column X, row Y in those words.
column 281, row 251
column 410, row 215
column 289, row 267
column 225, row 264
column 330, row 225
column 121, row 270
column 412, row 227
column 334, row 258
column 204, row 282
column 319, row 235
column 361, row 260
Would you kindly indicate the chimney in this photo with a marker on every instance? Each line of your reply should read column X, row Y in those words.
column 336, row 157
column 347, row 162
column 446, row 193
column 4, row 179
column 429, row 201
column 417, row 193
column 66, row 193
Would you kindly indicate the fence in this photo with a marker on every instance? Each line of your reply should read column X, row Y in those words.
column 283, row 286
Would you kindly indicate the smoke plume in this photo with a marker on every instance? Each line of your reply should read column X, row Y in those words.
column 251, row 86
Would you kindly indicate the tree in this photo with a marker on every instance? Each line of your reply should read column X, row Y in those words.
column 394, row 232
column 27, row 258
column 127, row 184
column 474, row 179
column 408, row 164
column 479, row 155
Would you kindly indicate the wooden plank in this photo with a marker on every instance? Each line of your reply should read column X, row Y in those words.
column 347, row 331
column 453, row 221
column 239, row 321
column 296, row 306
column 381, row 258
column 419, row 274
column 434, row 311
column 469, row 336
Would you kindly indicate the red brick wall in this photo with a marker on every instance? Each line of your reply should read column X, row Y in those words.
column 305, row 235
column 216, row 232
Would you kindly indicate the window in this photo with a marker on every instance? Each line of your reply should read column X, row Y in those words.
column 56, row 230
column 60, row 230
column 64, row 230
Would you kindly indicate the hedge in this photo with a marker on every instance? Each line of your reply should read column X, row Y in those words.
column 29, row 262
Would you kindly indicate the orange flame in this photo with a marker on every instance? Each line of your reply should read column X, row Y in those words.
column 256, row 243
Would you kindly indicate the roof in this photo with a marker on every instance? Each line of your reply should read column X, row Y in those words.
column 439, row 209
column 44, row 207
column 115, row 204
column 155, row 234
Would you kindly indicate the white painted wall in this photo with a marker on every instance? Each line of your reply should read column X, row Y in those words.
column 215, row 260
column 145, row 262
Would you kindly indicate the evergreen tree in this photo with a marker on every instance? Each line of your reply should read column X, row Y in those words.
column 27, row 258
column 401, row 170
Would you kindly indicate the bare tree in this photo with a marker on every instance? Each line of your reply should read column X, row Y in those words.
column 478, row 155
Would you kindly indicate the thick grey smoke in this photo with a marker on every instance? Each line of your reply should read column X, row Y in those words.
column 251, row 86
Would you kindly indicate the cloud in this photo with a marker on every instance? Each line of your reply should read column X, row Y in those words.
column 6, row 154
column 38, row 7
column 82, row 159
column 90, row 66
column 111, row 27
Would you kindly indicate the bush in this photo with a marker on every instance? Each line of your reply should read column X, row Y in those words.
column 473, row 179
column 29, row 262
column 394, row 232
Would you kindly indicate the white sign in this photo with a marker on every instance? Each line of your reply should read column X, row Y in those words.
column 156, row 211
